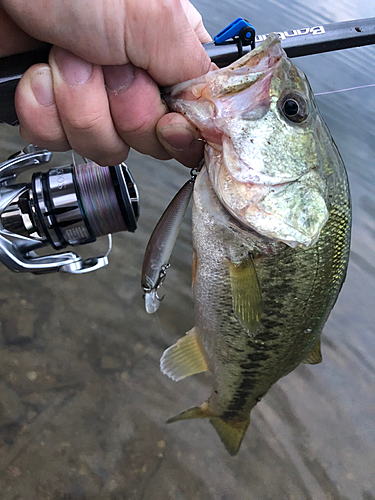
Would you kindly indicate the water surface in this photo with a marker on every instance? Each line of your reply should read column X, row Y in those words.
column 83, row 403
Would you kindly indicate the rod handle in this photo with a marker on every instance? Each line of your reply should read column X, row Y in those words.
column 11, row 70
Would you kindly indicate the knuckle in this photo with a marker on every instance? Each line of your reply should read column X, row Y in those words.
column 89, row 123
column 105, row 160
column 104, row 154
column 52, row 138
column 140, row 125
column 54, row 135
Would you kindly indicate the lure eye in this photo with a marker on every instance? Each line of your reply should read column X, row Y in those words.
column 293, row 107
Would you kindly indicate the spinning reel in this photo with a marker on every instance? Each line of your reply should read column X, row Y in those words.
column 66, row 206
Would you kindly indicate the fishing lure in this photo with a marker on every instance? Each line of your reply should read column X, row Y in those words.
column 161, row 243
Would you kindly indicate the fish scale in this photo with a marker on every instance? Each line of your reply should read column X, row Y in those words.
column 297, row 285
column 271, row 233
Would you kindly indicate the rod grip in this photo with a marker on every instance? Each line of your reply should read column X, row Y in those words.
column 11, row 70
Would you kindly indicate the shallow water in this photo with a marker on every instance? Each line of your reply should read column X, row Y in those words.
column 82, row 401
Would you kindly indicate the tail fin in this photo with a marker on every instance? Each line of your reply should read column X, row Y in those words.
column 231, row 433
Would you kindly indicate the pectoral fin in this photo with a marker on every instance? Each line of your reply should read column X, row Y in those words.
column 246, row 293
column 315, row 355
column 184, row 358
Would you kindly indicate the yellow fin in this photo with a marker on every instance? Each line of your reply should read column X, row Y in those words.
column 246, row 293
column 315, row 355
column 184, row 358
column 231, row 433
column 196, row 412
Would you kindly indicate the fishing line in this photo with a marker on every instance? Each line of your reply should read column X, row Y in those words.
column 159, row 323
column 99, row 199
column 345, row 90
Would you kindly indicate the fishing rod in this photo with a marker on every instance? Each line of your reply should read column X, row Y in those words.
column 296, row 42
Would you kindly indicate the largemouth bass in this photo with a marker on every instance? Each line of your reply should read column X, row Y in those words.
column 271, row 233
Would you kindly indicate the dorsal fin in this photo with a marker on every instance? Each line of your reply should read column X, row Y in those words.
column 246, row 293
column 184, row 358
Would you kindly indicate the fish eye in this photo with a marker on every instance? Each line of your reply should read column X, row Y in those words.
column 293, row 107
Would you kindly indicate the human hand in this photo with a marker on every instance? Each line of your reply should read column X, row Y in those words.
column 99, row 94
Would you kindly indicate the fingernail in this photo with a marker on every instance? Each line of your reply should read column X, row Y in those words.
column 178, row 137
column 73, row 69
column 41, row 85
column 118, row 77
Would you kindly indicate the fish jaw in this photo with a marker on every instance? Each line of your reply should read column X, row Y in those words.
column 265, row 169
column 210, row 100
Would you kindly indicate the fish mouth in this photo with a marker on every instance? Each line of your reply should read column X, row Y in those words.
column 243, row 88
column 258, row 61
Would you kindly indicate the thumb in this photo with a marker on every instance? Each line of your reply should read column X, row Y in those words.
column 181, row 139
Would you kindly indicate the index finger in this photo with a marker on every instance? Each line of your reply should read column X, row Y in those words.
column 196, row 22
column 170, row 48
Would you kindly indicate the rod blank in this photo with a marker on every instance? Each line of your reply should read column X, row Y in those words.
column 305, row 41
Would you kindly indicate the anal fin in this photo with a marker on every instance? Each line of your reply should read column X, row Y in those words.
column 246, row 293
column 196, row 412
column 315, row 355
column 184, row 358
